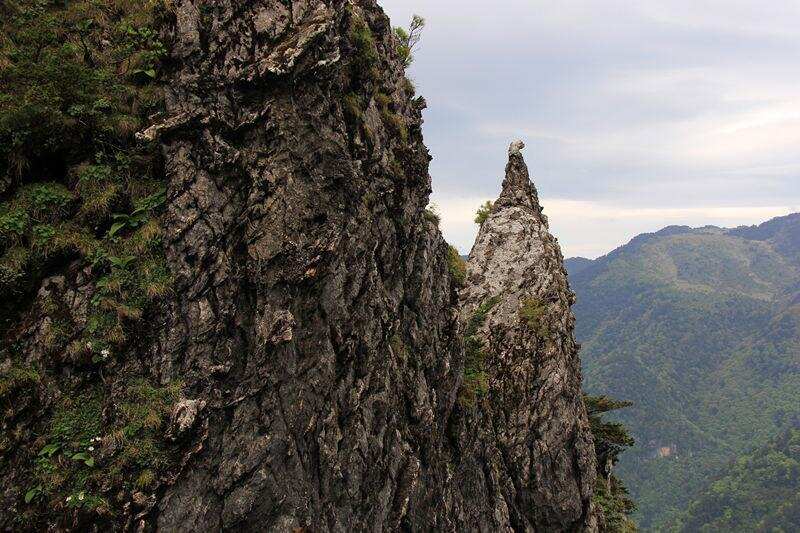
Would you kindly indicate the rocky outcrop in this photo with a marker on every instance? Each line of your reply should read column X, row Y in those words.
column 313, row 326
column 538, row 446
column 316, row 318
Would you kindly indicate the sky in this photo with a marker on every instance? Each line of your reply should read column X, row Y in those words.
column 636, row 115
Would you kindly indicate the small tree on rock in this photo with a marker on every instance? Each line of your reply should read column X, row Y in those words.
column 483, row 212
column 409, row 38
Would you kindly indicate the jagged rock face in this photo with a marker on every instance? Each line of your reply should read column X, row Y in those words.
column 316, row 318
column 542, row 447
column 313, row 324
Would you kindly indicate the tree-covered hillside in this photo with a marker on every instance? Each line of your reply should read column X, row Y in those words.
column 700, row 329
column 757, row 492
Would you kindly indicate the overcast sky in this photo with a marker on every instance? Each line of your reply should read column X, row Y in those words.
column 636, row 114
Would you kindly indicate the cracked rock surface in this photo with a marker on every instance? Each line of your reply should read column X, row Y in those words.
column 313, row 323
column 539, row 448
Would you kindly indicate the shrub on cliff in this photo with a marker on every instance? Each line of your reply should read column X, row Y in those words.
column 610, row 440
column 77, row 80
column 483, row 212
column 409, row 38
column 457, row 266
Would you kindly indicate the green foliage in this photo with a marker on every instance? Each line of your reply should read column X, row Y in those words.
column 139, row 215
column 12, row 266
column 394, row 121
column 533, row 313
column 353, row 108
column 17, row 378
column 65, row 464
column 610, row 440
column 457, row 266
column 408, row 39
column 431, row 215
column 476, row 380
column 758, row 491
column 140, row 418
column 483, row 212
column 698, row 329
column 67, row 79
column 92, row 441
column 612, row 497
column 365, row 59
column 77, row 80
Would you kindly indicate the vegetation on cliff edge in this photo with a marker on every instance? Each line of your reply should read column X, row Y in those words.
column 80, row 195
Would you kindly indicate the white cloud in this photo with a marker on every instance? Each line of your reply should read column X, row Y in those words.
column 645, row 113
column 591, row 229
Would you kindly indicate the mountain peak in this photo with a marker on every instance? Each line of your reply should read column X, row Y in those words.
column 517, row 301
column 518, row 190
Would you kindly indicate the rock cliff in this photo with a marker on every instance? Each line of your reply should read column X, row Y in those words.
column 310, row 353
column 539, row 448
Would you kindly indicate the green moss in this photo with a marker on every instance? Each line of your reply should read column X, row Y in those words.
column 66, row 462
column 353, row 108
column 476, row 380
column 77, row 80
column 13, row 223
column 146, row 406
column 366, row 57
column 456, row 266
column 13, row 265
column 45, row 201
column 17, row 378
column 394, row 121
column 77, row 421
column 99, row 186
column 533, row 313
column 129, row 429
column 145, row 480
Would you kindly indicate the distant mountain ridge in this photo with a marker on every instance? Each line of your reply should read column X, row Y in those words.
column 576, row 264
column 700, row 328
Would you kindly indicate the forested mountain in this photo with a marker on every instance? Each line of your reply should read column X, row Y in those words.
column 576, row 264
column 700, row 329
column 758, row 491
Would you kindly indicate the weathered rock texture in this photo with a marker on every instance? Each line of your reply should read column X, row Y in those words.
column 539, row 451
column 316, row 319
column 314, row 324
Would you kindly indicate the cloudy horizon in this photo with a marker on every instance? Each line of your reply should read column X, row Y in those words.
column 636, row 115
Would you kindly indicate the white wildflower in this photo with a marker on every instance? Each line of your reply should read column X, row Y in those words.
column 91, row 448
column 88, row 345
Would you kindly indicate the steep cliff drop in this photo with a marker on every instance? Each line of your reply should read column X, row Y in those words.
column 521, row 347
column 309, row 356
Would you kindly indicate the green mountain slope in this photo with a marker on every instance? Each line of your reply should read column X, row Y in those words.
column 700, row 329
column 757, row 492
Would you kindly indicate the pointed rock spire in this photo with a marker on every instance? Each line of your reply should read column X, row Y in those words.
column 517, row 187
column 517, row 284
